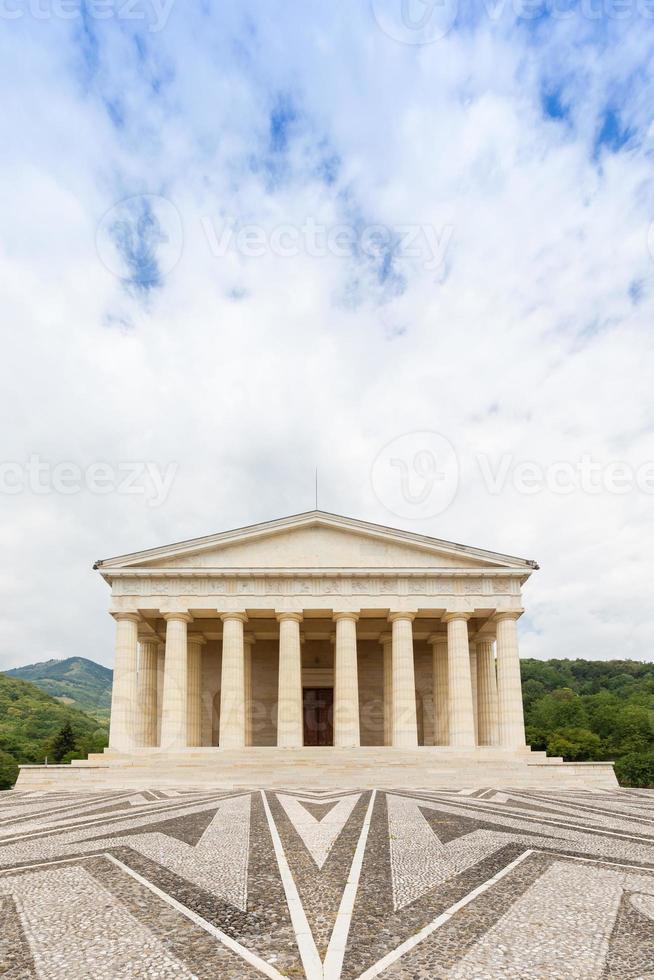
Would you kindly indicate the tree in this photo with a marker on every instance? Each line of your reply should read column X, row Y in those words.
column 8, row 770
column 86, row 744
column 636, row 769
column 63, row 742
column 575, row 744
column 560, row 709
column 532, row 690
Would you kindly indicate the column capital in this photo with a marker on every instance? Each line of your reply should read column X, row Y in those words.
column 294, row 617
column 484, row 638
column 434, row 638
column 183, row 617
column 354, row 616
column 502, row 616
column 149, row 638
column 240, row 616
column 198, row 638
column 393, row 616
column 450, row 617
column 126, row 617
column 385, row 637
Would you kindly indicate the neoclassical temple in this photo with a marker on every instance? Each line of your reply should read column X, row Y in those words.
column 316, row 630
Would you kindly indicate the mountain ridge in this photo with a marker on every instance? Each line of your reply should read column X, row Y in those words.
column 74, row 681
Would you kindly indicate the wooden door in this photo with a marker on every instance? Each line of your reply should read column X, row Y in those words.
column 318, row 715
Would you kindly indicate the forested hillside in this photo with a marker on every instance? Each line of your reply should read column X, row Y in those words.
column 34, row 725
column 591, row 709
column 76, row 681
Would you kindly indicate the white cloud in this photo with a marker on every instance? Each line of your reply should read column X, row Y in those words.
column 533, row 339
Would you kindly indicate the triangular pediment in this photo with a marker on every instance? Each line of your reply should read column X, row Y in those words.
column 316, row 540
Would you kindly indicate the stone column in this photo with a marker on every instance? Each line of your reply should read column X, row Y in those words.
column 473, row 684
column 290, row 720
column 123, row 726
column 386, row 640
column 405, row 721
column 488, row 733
column 194, row 692
column 509, row 687
column 440, row 689
column 248, row 640
column 174, row 705
column 346, row 682
column 147, row 690
column 462, row 725
column 160, row 683
column 232, row 689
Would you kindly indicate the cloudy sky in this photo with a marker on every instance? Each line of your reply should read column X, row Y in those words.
column 405, row 242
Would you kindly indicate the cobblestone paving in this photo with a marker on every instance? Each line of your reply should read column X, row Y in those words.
column 359, row 884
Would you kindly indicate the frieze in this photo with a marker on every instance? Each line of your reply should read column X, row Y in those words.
column 428, row 585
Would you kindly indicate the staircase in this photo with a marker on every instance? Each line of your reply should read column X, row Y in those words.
column 321, row 768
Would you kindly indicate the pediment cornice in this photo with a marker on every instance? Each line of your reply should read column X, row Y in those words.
column 153, row 561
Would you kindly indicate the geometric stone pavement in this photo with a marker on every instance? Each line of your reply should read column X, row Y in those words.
column 356, row 884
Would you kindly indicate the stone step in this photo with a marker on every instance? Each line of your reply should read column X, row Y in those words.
column 338, row 769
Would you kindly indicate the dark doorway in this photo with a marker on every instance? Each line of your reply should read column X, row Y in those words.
column 318, row 715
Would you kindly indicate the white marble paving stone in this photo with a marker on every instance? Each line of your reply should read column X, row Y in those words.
column 643, row 904
column 218, row 862
column 419, row 860
column 530, row 828
column 76, row 839
column 319, row 836
column 559, row 929
column 77, row 930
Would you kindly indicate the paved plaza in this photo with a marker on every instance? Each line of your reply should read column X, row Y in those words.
column 423, row 884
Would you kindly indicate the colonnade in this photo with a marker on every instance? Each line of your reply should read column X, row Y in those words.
column 477, row 695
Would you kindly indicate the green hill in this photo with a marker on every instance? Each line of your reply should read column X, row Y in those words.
column 31, row 720
column 76, row 681
column 591, row 710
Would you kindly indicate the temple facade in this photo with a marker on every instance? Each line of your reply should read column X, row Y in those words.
column 316, row 630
